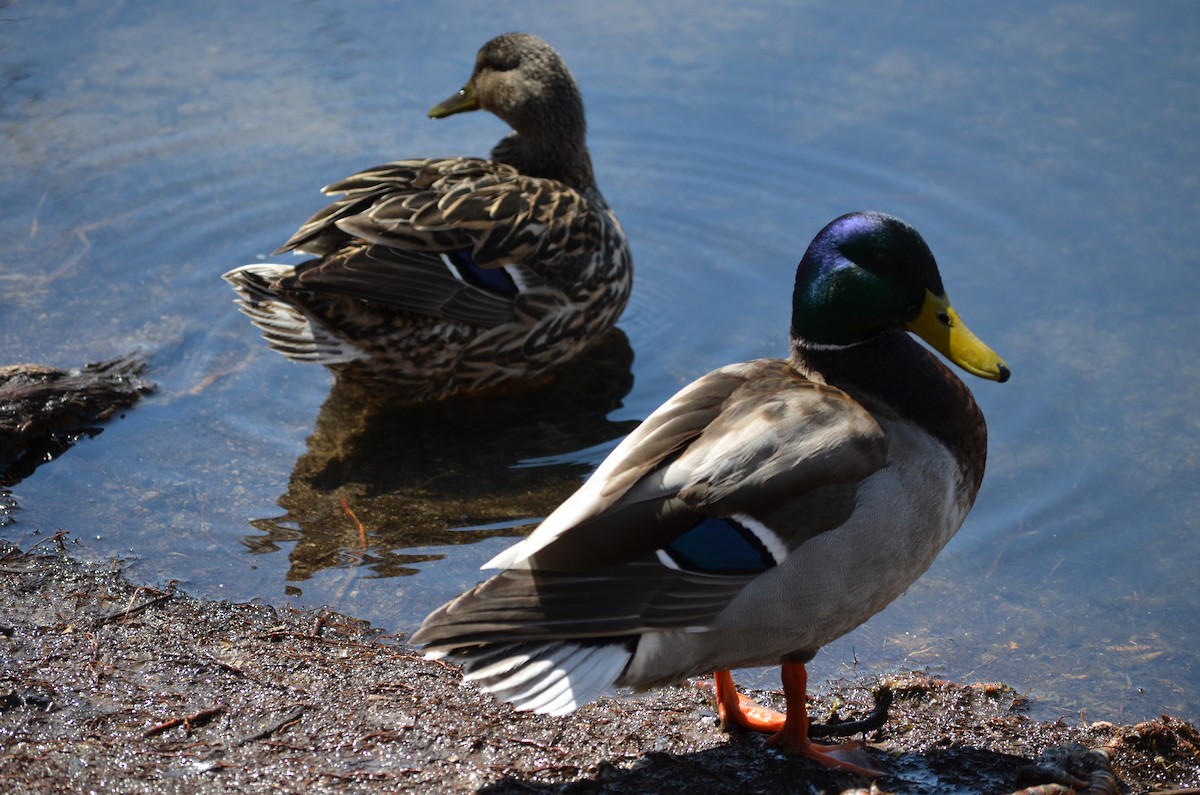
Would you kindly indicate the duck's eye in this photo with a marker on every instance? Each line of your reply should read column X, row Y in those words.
column 944, row 318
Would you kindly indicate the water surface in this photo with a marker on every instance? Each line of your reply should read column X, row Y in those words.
column 1045, row 150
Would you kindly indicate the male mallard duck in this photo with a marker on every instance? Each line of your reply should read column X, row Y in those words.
column 763, row 511
column 455, row 274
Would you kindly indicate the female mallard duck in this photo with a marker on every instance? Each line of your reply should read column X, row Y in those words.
column 455, row 274
column 764, row 510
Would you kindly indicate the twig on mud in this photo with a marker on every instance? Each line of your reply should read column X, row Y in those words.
column 279, row 633
column 187, row 721
column 288, row 718
column 382, row 775
column 56, row 539
column 569, row 769
column 318, row 623
column 535, row 744
column 228, row 666
column 129, row 610
column 878, row 717
column 381, row 736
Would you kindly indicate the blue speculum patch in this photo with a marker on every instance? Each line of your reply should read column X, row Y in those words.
column 720, row 546
column 495, row 279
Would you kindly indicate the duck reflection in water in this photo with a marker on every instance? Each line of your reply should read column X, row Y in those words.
column 410, row 474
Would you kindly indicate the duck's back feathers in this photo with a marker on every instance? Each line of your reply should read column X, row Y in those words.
column 755, row 434
column 436, row 285
column 444, row 204
column 721, row 484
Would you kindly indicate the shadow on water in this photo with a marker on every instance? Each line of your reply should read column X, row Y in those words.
column 381, row 477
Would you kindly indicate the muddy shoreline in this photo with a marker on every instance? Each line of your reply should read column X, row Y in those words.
column 111, row 686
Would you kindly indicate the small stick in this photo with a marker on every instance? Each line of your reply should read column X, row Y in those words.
column 188, row 721
column 362, row 531
column 128, row 611
column 289, row 717
column 878, row 717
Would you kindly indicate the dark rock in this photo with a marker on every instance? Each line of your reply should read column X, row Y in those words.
column 43, row 410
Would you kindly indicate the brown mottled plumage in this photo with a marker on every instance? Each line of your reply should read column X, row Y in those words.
column 457, row 274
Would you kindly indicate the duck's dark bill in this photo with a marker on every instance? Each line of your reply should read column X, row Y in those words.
column 460, row 102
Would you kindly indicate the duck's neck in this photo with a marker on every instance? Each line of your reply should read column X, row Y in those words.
column 551, row 143
column 540, row 158
column 892, row 370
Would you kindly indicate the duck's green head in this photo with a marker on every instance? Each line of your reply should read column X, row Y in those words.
column 867, row 273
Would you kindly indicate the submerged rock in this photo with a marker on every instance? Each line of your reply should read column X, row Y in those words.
column 44, row 410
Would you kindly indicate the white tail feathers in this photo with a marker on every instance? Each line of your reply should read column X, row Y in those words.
column 284, row 326
column 553, row 678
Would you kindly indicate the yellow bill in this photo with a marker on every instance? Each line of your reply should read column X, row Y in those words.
column 938, row 324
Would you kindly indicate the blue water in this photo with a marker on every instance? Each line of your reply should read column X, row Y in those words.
column 1045, row 150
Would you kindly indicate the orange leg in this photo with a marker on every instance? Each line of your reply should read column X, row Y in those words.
column 789, row 732
column 734, row 708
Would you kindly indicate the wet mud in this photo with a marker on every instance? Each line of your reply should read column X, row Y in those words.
column 111, row 686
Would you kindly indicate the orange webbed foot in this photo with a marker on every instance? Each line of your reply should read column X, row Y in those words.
column 789, row 731
column 734, row 709
column 850, row 756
